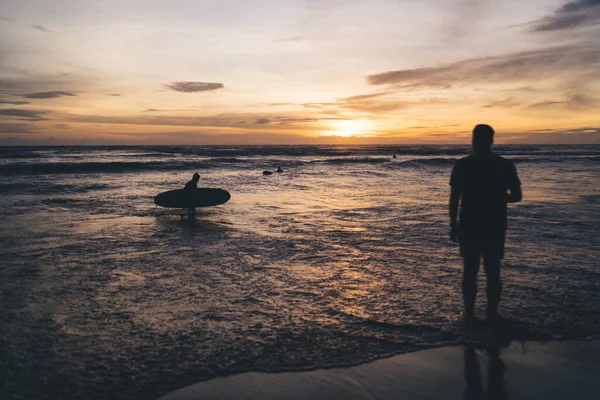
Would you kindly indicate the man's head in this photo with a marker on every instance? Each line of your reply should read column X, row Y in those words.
column 196, row 177
column 483, row 138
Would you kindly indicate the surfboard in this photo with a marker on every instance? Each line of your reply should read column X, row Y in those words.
column 201, row 197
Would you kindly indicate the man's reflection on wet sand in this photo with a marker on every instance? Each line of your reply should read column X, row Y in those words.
column 495, row 379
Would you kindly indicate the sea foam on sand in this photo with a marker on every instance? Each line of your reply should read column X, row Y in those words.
column 529, row 370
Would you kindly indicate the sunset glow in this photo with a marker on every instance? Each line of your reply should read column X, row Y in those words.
column 351, row 128
column 300, row 71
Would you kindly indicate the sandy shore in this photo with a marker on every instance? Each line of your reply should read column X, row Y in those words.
column 557, row 370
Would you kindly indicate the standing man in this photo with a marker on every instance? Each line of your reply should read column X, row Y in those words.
column 483, row 183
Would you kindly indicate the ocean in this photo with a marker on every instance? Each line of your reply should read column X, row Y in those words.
column 342, row 258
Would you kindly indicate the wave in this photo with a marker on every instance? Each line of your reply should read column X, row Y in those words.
column 545, row 159
column 179, row 164
column 428, row 162
column 518, row 160
column 49, row 188
column 353, row 160
column 22, row 155
column 228, row 160
column 293, row 151
column 97, row 167
column 148, row 155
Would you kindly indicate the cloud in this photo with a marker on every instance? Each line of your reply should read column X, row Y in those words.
column 546, row 104
column 365, row 103
column 572, row 15
column 307, row 120
column 190, row 87
column 16, row 128
column 235, row 122
column 262, row 121
column 422, row 85
column 361, row 97
column 375, row 108
column 40, row 28
column 536, row 64
column 46, row 95
column 14, row 103
column 318, row 105
column 554, row 136
column 62, row 126
column 114, row 94
column 369, row 103
column 576, row 101
column 503, row 103
column 29, row 81
column 7, row 85
column 160, row 110
column 32, row 115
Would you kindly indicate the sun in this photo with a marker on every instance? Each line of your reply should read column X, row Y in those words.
column 351, row 128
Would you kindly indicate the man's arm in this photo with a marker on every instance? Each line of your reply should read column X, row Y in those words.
column 514, row 186
column 453, row 208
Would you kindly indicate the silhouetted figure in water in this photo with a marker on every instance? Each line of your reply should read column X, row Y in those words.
column 279, row 169
column 495, row 384
column 483, row 183
column 394, row 156
column 189, row 189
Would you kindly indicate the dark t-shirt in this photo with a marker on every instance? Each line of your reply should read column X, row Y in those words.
column 189, row 190
column 191, row 186
column 483, row 182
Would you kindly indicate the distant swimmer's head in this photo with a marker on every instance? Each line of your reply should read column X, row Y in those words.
column 196, row 177
column 279, row 169
column 483, row 137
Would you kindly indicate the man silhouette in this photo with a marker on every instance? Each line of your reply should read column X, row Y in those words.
column 483, row 183
column 189, row 190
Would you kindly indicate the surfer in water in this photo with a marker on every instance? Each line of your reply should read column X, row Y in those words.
column 189, row 189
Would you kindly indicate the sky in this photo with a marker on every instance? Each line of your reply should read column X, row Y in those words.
column 298, row 71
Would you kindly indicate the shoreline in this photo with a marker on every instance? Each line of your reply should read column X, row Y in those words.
column 521, row 370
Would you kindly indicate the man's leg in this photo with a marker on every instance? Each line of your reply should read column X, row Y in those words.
column 469, row 284
column 494, row 285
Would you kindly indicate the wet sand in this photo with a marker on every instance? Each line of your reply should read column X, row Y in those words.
column 529, row 370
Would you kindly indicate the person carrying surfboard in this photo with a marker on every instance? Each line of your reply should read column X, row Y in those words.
column 189, row 189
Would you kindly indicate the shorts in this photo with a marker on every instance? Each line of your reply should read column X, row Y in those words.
column 488, row 248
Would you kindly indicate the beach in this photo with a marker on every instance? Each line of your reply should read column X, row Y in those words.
column 527, row 370
column 341, row 259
